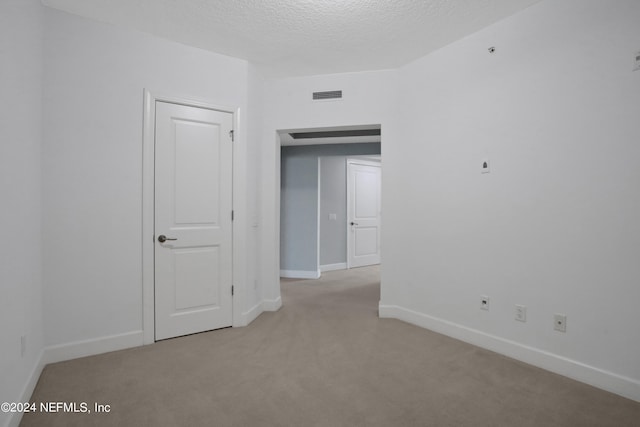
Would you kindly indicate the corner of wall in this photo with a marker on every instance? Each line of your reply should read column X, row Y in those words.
column 272, row 305
column 28, row 389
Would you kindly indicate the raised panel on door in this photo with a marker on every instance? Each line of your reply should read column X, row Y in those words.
column 193, row 211
column 198, row 272
column 365, row 241
column 197, row 163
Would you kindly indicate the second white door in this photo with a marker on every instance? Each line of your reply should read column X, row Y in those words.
column 363, row 213
column 193, row 228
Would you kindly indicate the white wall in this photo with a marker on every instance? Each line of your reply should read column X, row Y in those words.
column 253, row 120
column 21, row 194
column 369, row 98
column 81, row 165
column 93, row 86
column 554, row 226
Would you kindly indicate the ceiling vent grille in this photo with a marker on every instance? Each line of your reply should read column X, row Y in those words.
column 335, row 133
column 329, row 94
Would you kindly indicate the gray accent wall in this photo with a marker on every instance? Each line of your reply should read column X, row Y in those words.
column 302, row 178
column 298, row 213
column 333, row 201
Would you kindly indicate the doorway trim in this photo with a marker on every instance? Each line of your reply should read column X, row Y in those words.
column 148, row 206
column 271, row 267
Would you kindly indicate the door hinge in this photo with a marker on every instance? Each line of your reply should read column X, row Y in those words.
column 232, row 215
column 232, row 135
column 232, row 290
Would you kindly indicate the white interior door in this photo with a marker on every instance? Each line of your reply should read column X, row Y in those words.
column 363, row 213
column 193, row 234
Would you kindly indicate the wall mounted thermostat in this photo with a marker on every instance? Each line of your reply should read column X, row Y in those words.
column 485, row 166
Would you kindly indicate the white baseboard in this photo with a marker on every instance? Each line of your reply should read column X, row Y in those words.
column 74, row 350
column 255, row 311
column 300, row 274
column 609, row 381
column 27, row 391
column 251, row 314
column 272, row 305
column 333, row 267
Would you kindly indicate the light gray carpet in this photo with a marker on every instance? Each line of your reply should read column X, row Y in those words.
column 325, row 359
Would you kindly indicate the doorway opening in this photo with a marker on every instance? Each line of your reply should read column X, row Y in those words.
column 314, row 216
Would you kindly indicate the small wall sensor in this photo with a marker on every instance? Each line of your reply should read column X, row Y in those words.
column 492, row 49
column 486, row 167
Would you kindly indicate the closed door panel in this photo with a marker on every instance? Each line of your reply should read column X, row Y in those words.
column 198, row 272
column 363, row 200
column 193, row 234
column 365, row 241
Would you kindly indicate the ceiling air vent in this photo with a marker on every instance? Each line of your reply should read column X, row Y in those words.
column 329, row 94
column 335, row 133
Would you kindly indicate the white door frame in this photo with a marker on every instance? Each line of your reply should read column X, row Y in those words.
column 148, row 207
column 356, row 161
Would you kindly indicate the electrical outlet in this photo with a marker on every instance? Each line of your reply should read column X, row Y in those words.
column 484, row 302
column 521, row 313
column 560, row 322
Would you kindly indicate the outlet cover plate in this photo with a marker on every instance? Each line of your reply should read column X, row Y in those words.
column 484, row 302
column 521, row 313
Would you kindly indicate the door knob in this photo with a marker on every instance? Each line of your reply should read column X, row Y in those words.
column 354, row 223
column 162, row 238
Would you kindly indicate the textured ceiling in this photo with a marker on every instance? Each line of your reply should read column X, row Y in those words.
column 304, row 37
